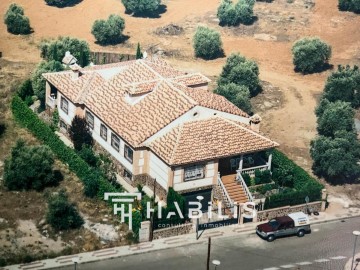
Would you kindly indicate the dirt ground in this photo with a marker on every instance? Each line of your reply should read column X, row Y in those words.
column 287, row 104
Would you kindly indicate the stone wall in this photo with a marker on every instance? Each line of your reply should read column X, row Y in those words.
column 147, row 180
column 173, row 231
column 282, row 211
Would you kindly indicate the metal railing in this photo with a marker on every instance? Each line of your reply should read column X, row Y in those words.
column 253, row 169
column 240, row 179
column 229, row 202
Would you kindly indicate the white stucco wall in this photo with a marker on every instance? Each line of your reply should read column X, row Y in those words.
column 159, row 170
column 66, row 117
column 180, row 184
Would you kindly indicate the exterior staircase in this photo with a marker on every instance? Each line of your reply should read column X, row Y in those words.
column 234, row 189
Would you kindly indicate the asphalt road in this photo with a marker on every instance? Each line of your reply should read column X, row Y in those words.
column 329, row 246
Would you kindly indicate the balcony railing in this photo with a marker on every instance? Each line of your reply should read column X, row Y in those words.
column 51, row 101
column 251, row 170
column 241, row 180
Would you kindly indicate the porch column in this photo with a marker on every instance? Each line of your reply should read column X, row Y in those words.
column 241, row 163
column 269, row 162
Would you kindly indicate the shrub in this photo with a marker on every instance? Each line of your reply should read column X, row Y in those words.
column 87, row 154
column 207, row 43
column 336, row 116
column 39, row 83
column 349, row 5
column 15, row 20
column 108, row 31
column 26, row 90
column 141, row 7
column 336, row 158
column 239, row 95
column 310, row 55
column 245, row 11
column 343, row 85
column 29, row 167
column 231, row 15
column 43, row 132
column 241, row 71
column 56, row 49
column 62, row 215
column 61, row 3
column 262, row 177
column 79, row 133
column 247, row 179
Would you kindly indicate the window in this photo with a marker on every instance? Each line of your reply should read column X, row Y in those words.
column 63, row 125
column 115, row 142
column 89, row 119
column 128, row 153
column 64, row 105
column 127, row 174
column 103, row 132
column 194, row 172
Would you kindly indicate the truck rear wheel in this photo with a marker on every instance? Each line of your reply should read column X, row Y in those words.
column 301, row 233
column 271, row 238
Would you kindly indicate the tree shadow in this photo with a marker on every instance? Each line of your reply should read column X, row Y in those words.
column 221, row 54
column 64, row 5
column 58, row 177
column 153, row 15
column 121, row 39
column 253, row 20
column 2, row 129
column 325, row 67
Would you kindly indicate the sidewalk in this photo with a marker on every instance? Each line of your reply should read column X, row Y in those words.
column 172, row 242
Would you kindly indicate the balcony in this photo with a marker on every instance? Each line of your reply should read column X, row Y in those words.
column 51, row 101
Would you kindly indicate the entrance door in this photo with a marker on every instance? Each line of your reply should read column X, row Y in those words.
column 229, row 165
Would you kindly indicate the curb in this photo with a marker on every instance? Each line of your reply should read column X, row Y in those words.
column 138, row 250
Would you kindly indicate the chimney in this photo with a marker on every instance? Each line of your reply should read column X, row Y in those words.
column 76, row 71
column 255, row 123
column 69, row 59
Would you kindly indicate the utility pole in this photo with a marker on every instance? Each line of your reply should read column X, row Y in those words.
column 208, row 255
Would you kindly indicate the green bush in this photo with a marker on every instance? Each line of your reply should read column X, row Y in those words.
column 15, row 20
column 336, row 116
column 349, row 5
column 55, row 50
column 262, row 177
column 300, row 183
column 242, row 72
column 29, row 167
column 344, row 85
column 207, row 43
column 43, row 132
column 62, row 215
column 141, row 7
column 62, row 3
column 239, row 95
column 247, row 179
column 245, row 11
column 39, row 83
column 87, row 154
column 108, row 31
column 231, row 15
column 80, row 133
column 311, row 55
column 26, row 90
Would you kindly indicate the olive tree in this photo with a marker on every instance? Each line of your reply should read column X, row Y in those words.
column 239, row 95
column 15, row 20
column 141, row 7
column 310, row 55
column 108, row 31
column 231, row 15
column 207, row 43
column 349, row 5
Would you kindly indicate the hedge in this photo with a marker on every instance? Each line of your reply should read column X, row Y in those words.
column 28, row 119
column 300, row 183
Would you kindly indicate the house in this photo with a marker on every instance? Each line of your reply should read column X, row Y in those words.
column 161, row 125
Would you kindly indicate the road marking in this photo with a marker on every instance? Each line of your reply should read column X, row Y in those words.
column 272, row 268
column 338, row 258
column 288, row 266
column 322, row 260
column 304, row 263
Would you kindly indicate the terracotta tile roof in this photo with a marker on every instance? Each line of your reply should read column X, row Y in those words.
column 211, row 138
column 191, row 79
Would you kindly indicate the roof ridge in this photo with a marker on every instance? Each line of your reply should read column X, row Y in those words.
column 181, row 126
column 172, row 86
column 84, row 88
column 149, row 67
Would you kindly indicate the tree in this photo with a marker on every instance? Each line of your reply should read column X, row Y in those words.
column 108, row 31
column 141, row 7
column 29, row 167
column 62, row 215
column 139, row 54
column 245, row 11
column 310, row 55
column 336, row 116
column 344, row 85
column 239, row 95
column 80, row 133
column 336, row 159
column 231, row 15
column 241, row 71
column 349, row 5
column 26, row 92
column 38, row 82
column 16, row 21
column 61, row 3
column 56, row 49
column 207, row 43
